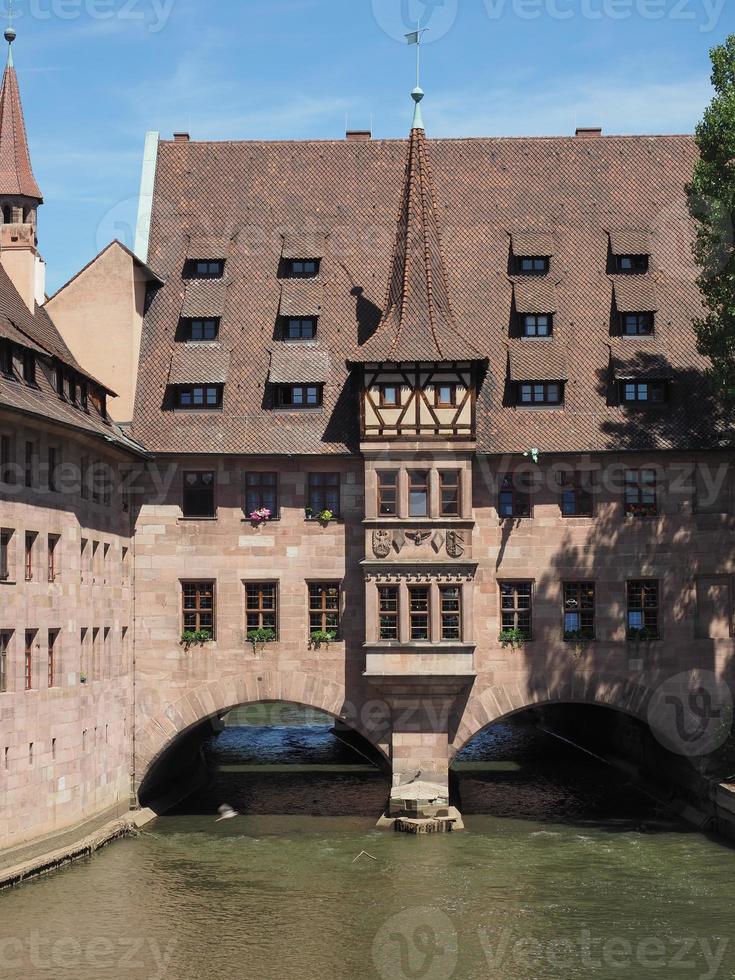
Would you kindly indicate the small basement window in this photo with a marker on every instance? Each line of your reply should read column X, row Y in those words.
column 540, row 393
column 537, row 324
column 637, row 324
column 199, row 396
column 298, row 396
column 643, row 392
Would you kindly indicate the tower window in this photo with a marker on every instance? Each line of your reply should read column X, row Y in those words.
column 302, row 268
column 537, row 325
column 631, row 263
column 535, row 265
column 298, row 396
column 644, row 392
column 300, row 328
column 637, row 324
column 540, row 393
column 199, row 396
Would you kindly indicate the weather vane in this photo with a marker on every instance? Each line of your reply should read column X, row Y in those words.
column 415, row 38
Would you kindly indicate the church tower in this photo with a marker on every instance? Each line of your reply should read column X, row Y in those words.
column 20, row 195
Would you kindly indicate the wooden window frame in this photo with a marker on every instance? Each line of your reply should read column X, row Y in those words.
column 198, row 491
column 416, row 616
column 201, row 588
column 415, row 487
column 184, row 392
column 446, row 614
column 389, row 613
column 656, row 392
column 645, row 324
column 540, row 265
column 207, row 268
column 255, row 490
column 53, row 544
column 446, row 488
column 515, row 488
column 579, row 600
column 318, row 594
column 544, row 388
column 318, row 494
column 29, row 367
column 383, row 401
column 570, row 483
column 30, row 637
column 637, row 592
column 636, row 488
column 6, row 359
column 514, row 614
column 282, row 402
column 638, row 264
column 6, row 544
column 294, row 272
column 292, row 338
column 386, row 489
column 52, row 664
column 260, row 609
column 203, row 322
column 6, row 637
column 532, row 320
column 29, row 544
column 439, row 402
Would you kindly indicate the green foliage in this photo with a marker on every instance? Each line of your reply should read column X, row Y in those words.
column 322, row 636
column 264, row 635
column 578, row 636
column 513, row 638
column 189, row 637
column 325, row 516
column 711, row 199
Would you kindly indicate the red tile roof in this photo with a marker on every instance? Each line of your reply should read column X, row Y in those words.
column 16, row 174
column 484, row 191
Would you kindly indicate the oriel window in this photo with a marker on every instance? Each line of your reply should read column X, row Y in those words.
column 388, row 612
column 450, row 604
column 419, row 612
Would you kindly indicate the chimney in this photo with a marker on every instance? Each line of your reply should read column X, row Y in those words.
column 588, row 132
column 181, row 137
column 358, row 135
column 20, row 260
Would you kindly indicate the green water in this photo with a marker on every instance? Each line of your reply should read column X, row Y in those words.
column 567, row 874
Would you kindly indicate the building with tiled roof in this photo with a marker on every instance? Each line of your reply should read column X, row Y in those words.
column 420, row 438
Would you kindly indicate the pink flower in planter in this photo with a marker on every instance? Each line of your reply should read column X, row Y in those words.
column 260, row 516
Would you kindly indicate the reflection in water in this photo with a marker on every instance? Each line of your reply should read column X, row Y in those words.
column 567, row 875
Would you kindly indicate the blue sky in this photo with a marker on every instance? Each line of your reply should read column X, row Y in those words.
column 95, row 75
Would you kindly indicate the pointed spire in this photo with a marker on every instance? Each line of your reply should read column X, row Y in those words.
column 16, row 174
column 418, row 323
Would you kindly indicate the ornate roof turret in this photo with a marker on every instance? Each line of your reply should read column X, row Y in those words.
column 417, row 322
column 16, row 174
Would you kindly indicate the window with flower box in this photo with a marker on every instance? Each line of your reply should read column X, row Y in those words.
column 643, row 612
column 516, row 607
column 261, row 606
column 640, row 493
column 324, row 608
column 323, row 494
column 198, row 607
column 579, row 611
column 261, row 493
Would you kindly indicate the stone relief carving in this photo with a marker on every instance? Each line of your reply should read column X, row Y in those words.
column 381, row 543
column 418, row 537
column 455, row 544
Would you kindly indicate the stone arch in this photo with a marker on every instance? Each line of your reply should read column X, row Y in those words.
column 216, row 697
column 494, row 703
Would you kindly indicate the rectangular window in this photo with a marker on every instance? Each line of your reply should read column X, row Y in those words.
column 640, row 493
column 323, row 493
column 261, row 493
column 6, row 461
column 419, row 612
column 84, row 395
column 211, row 269
column 6, row 358
column 53, row 644
column 302, row 268
column 388, row 612
column 643, row 610
column 450, row 604
column 514, row 498
column 445, row 396
column 324, row 607
column 28, row 467
column 576, row 494
column 298, row 396
column 299, row 328
column 643, row 392
column 6, row 536
column 540, row 393
column 29, row 367
column 631, row 263
column 388, row 493
column 637, row 324
column 198, row 607
column 390, row 396
column 450, row 492
column 28, row 659
column 53, row 548
column 533, row 264
column 29, row 549
column 261, row 606
column 4, row 650
column 515, row 607
column 418, row 493
column 193, row 397
column 579, row 611
column 537, row 325
column 201, row 330
column 198, row 495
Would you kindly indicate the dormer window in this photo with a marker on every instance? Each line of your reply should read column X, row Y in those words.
column 29, row 367
column 302, row 268
column 6, row 357
column 199, row 396
column 637, row 324
column 631, row 264
column 208, row 269
column 298, row 396
column 299, row 328
column 445, row 396
column 533, row 265
column 201, row 330
column 540, row 393
column 390, row 396
column 84, row 395
column 71, row 388
column 643, row 392
column 537, row 324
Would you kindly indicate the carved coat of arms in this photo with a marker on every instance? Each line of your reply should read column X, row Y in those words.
column 381, row 544
column 455, row 544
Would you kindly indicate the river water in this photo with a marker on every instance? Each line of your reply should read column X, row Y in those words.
column 564, row 872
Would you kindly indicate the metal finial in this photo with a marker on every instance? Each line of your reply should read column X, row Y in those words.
column 418, row 119
column 10, row 34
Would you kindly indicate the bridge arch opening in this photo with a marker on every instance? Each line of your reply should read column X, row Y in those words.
column 268, row 757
